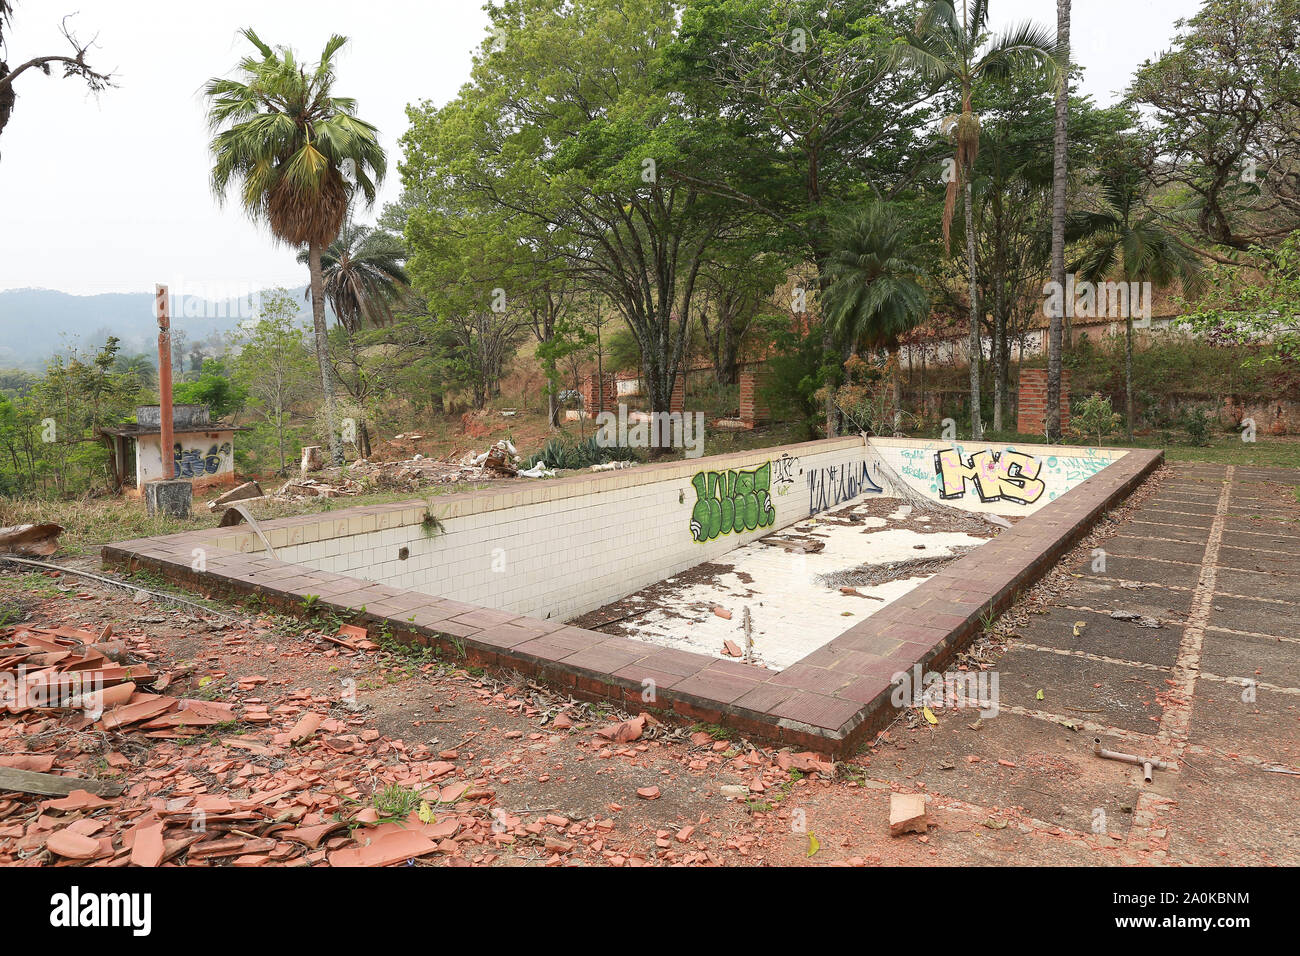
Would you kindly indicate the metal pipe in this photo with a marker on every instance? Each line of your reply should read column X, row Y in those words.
column 116, row 583
column 239, row 507
column 1146, row 763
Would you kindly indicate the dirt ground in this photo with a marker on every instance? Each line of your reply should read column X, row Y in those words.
column 512, row 774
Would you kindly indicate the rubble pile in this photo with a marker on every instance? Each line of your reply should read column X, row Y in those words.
column 122, row 776
column 334, row 486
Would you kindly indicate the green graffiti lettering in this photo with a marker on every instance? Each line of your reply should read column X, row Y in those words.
column 731, row 501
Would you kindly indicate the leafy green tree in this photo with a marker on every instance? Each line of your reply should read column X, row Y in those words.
column 142, row 366
column 299, row 154
column 60, row 417
column 563, row 126
column 215, row 387
column 1012, row 191
column 1254, row 303
column 954, row 49
column 736, row 286
column 273, row 365
column 472, row 275
column 813, row 115
column 1121, row 238
column 365, row 282
column 1224, row 108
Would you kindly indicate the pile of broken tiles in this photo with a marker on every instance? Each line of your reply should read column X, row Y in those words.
column 212, row 782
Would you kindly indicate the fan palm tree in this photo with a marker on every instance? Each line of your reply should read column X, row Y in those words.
column 298, row 154
column 1123, row 240
column 363, row 275
column 364, row 278
column 873, row 294
column 953, row 49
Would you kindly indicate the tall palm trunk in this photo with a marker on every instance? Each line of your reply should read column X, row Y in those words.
column 1128, row 375
column 999, row 363
column 897, row 376
column 828, row 347
column 976, row 426
column 1054, row 344
column 323, row 347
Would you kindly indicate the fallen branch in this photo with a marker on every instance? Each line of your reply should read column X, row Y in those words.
column 53, row 785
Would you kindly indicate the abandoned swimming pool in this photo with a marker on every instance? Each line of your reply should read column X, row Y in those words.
column 496, row 574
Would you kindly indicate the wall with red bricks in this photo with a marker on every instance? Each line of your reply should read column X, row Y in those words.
column 677, row 403
column 752, row 409
column 594, row 401
column 1031, row 404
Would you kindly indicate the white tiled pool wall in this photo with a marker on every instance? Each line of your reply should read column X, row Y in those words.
column 559, row 549
column 574, row 550
column 992, row 478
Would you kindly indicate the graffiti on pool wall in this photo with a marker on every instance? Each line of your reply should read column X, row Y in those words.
column 193, row 463
column 827, row 487
column 998, row 476
column 727, row 501
column 783, row 473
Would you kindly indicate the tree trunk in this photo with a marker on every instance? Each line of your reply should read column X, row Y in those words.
column 828, row 348
column 323, row 348
column 729, row 352
column 1059, row 143
column 999, row 395
column 898, row 388
column 1128, row 375
column 279, row 437
column 976, row 356
column 924, row 410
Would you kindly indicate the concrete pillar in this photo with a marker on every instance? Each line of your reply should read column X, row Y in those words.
column 170, row 497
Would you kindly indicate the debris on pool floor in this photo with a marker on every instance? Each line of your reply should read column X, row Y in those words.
column 802, row 586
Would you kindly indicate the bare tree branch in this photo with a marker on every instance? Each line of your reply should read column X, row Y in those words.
column 75, row 65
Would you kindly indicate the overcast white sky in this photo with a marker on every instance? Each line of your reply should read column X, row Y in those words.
column 110, row 193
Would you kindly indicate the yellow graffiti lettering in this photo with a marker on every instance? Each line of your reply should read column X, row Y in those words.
column 997, row 476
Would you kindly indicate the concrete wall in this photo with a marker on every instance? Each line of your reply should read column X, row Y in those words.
column 992, row 478
column 560, row 548
column 207, row 458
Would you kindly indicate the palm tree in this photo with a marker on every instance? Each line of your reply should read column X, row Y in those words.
column 873, row 275
column 363, row 275
column 287, row 141
column 954, row 50
column 363, row 279
column 1059, row 144
column 1123, row 240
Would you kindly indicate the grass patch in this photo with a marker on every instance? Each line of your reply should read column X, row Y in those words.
column 1265, row 452
column 395, row 803
column 90, row 523
column 713, row 730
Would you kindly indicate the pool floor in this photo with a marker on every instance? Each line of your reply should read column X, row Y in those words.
column 802, row 586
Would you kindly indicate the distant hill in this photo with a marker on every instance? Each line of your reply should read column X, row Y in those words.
column 36, row 323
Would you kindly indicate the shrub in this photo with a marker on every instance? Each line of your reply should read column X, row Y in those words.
column 1198, row 423
column 1094, row 416
column 578, row 454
